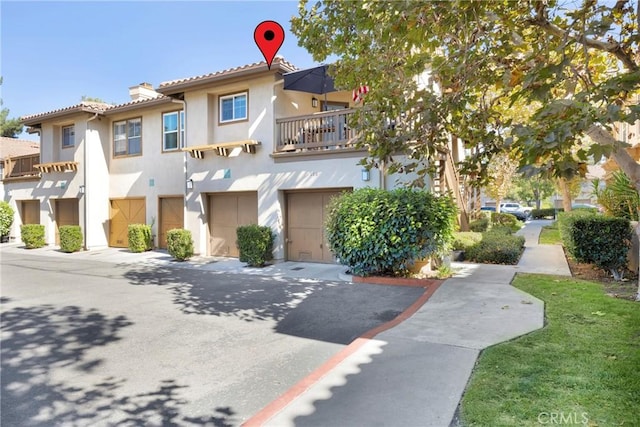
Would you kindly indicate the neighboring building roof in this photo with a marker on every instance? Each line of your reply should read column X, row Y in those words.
column 279, row 64
column 172, row 86
column 12, row 147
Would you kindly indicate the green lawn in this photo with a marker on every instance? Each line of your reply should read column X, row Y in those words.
column 550, row 235
column 584, row 364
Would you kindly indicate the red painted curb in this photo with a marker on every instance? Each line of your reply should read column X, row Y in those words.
column 266, row 413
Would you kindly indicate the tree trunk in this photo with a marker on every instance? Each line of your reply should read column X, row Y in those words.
column 566, row 195
column 498, row 201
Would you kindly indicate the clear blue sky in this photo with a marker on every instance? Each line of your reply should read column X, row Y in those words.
column 53, row 53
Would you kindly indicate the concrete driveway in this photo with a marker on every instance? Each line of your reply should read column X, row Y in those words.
column 93, row 343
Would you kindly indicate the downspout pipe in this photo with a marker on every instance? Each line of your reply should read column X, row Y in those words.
column 84, row 182
column 185, row 154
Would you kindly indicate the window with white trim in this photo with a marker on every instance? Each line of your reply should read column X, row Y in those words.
column 68, row 136
column 173, row 130
column 233, row 107
column 127, row 137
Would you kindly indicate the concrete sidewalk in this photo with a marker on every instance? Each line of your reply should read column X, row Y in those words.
column 415, row 373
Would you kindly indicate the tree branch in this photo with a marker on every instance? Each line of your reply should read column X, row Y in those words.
column 541, row 21
column 619, row 154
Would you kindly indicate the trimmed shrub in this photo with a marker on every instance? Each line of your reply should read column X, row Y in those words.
column 502, row 229
column 463, row 240
column 565, row 224
column 32, row 235
column 599, row 240
column 506, row 219
column 545, row 213
column 479, row 225
column 255, row 244
column 70, row 238
column 140, row 238
column 6, row 218
column 378, row 232
column 180, row 244
column 496, row 248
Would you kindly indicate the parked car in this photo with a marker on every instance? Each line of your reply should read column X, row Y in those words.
column 516, row 209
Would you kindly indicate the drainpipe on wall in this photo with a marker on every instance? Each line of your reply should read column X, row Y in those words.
column 84, row 182
column 185, row 154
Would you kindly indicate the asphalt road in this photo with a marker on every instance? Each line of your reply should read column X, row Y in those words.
column 91, row 343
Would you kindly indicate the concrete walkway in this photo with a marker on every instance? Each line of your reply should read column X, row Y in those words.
column 415, row 373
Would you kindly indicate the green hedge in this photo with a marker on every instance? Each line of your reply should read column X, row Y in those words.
column 140, row 238
column 32, row 235
column 180, row 244
column 70, row 238
column 255, row 244
column 565, row 224
column 496, row 248
column 463, row 240
column 599, row 240
column 545, row 213
column 378, row 232
column 479, row 225
column 506, row 220
column 6, row 218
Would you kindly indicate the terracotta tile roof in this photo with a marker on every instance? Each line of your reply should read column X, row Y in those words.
column 12, row 147
column 91, row 107
column 278, row 63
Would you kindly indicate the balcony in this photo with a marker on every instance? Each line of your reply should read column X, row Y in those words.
column 21, row 167
column 327, row 130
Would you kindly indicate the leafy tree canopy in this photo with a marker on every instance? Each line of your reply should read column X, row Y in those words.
column 10, row 128
column 530, row 76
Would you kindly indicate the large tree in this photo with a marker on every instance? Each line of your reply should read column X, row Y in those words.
column 575, row 64
column 10, row 128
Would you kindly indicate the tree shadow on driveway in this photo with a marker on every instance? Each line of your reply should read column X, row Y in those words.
column 336, row 312
column 37, row 340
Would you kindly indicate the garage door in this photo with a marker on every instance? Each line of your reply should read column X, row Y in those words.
column 226, row 212
column 66, row 214
column 306, row 237
column 124, row 212
column 30, row 212
column 171, row 216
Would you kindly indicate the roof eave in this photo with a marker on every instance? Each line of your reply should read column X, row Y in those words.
column 170, row 89
column 136, row 106
column 37, row 119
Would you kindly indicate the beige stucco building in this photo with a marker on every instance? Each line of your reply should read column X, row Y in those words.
column 206, row 153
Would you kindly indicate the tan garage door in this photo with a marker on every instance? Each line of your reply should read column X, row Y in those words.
column 171, row 216
column 226, row 212
column 30, row 212
column 124, row 212
column 66, row 214
column 306, row 237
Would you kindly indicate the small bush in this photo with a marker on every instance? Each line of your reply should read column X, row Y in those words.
column 479, row 225
column 496, row 248
column 140, row 238
column 545, row 213
column 255, row 244
column 70, row 238
column 180, row 244
column 506, row 219
column 565, row 225
column 463, row 240
column 6, row 218
column 32, row 235
column 378, row 232
column 603, row 241
column 502, row 229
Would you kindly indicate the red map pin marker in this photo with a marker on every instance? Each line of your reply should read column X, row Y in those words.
column 269, row 36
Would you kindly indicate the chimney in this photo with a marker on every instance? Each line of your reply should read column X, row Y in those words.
column 142, row 91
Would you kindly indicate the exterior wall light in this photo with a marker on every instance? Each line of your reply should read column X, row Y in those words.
column 366, row 175
column 189, row 184
column 81, row 189
column 314, row 102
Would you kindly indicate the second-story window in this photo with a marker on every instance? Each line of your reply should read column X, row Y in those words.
column 127, row 137
column 233, row 107
column 68, row 136
column 172, row 130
